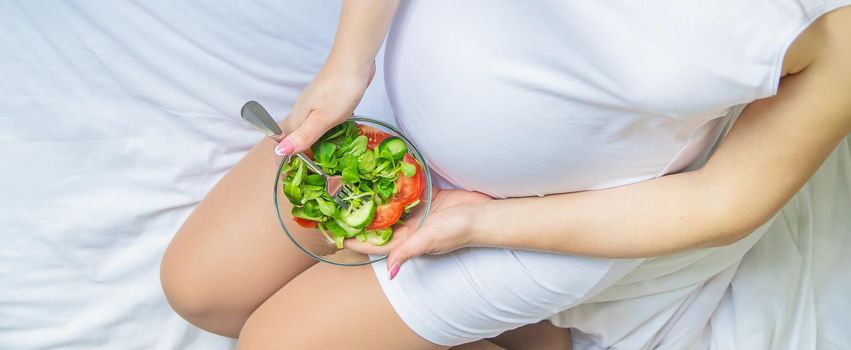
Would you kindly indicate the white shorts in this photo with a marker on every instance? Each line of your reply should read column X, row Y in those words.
column 477, row 293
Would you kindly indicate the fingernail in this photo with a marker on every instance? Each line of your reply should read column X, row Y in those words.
column 284, row 148
column 393, row 271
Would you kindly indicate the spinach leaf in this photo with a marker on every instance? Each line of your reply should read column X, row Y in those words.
column 315, row 180
column 384, row 153
column 385, row 187
column 312, row 209
column 387, row 170
column 311, row 192
column 366, row 162
column 349, row 163
column 299, row 212
column 351, row 131
column 300, row 169
column 358, row 145
column 328, row 208
column 293, row 191
column 335, row 132
column 325, row 152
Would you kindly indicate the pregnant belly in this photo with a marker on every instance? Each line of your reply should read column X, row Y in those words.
column 507, row 141
column 501, row 142
column 513, row 158
column 512, row 124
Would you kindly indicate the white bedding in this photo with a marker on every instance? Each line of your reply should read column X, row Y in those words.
column 117, row 117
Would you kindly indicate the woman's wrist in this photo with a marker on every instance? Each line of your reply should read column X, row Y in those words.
column 480, row 231
column 339, row 64
column 511, row 223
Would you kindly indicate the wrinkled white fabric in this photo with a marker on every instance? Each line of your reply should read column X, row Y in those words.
column 533, row 98
column 790, row 291
column 116, row 118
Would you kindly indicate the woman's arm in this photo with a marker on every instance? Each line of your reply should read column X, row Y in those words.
column 339, row 86
column 362, row 28
column 774, row 148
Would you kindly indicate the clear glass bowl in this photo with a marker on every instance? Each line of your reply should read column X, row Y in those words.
column 313, row 242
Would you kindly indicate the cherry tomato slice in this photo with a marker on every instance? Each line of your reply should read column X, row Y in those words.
column 374, row 136
column 386, row 215
column 409, row 189
column 305, row 223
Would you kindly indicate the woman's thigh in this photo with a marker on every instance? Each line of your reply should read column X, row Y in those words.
column 231, row 255
column 329, row 307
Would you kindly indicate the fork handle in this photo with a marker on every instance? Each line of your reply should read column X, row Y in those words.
column 310, row 164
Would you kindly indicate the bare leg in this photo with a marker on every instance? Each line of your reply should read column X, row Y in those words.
column 539, row 336
column 478, row 345
column 330, row 307
column 230, row 255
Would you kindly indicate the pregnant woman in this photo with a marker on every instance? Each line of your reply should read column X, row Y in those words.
column 523, row 108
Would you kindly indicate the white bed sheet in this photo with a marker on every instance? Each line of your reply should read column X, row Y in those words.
column 117, row 117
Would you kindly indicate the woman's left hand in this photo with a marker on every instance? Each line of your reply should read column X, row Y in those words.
column 448, row 227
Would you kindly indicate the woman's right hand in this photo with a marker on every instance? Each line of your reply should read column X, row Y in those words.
column 327, row 101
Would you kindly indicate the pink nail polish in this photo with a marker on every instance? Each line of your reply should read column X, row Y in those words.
column 393, row 271
column 284, row 148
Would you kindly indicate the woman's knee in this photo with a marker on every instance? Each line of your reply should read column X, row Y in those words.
column 195, row 296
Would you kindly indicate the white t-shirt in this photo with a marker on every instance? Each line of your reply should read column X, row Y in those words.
column 520, row 98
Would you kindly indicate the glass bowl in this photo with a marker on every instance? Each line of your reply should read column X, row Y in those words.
column 313, row 242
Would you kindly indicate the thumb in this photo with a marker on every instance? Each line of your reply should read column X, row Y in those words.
column 300, row 139
column 415, row 245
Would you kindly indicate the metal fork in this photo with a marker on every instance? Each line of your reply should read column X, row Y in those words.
column 254, row 113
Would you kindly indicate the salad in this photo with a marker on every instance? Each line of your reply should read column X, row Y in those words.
column 381, row 182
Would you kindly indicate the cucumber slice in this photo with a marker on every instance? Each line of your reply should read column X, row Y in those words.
column 411, row 206
column 379, row 237
column 395, row 146
column 358, row 217
column 350, row 231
